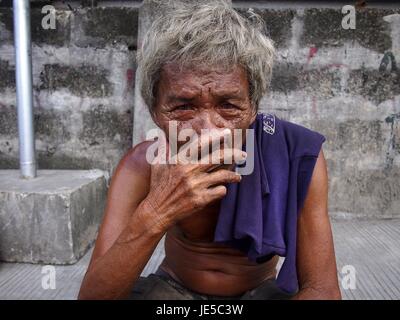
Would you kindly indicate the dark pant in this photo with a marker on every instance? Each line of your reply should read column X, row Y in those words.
column 161, row 286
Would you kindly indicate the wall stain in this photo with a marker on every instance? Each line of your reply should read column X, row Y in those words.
column 393, row 146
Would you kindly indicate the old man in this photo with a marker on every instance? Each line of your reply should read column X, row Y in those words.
column 202, row 67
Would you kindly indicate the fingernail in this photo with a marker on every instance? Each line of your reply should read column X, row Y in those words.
column 244, row 155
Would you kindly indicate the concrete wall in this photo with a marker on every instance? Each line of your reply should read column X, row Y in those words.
column 343, row 83
column 83, row 76
column 346, row 85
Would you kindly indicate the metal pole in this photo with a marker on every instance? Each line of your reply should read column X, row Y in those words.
column 23, row 75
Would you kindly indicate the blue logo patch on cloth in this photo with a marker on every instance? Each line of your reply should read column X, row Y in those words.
column 269, row 123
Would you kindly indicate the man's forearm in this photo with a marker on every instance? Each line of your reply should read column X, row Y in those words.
column 112, row 275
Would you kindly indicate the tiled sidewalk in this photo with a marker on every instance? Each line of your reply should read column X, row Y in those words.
column 372, row 247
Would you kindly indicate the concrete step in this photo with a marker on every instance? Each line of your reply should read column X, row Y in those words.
column 52, row 218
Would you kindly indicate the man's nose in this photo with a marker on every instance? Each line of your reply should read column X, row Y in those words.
column 206, row 120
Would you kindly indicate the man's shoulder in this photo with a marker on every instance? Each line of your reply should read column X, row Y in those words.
column 135, row 159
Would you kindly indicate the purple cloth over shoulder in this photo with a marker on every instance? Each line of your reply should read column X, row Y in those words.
column 259, row 215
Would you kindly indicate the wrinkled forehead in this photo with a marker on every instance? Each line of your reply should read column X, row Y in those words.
column 174, row 77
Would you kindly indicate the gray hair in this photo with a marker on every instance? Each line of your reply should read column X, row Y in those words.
column 211, row 34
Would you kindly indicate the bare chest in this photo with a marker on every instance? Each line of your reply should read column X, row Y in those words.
column 201, row 225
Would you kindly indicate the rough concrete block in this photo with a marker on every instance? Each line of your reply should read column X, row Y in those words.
column 278, row 23
column 353, row 140
column 323, row 27
column 365, row 193
column 96, row 138
column 323, row 82
column 85, row 80
column 7, row 79
column 100, row 27
column 6, row 25
column 8, row 121
column 57, row 37
column 374, row 85
column 48, row 123
column 394, row 121
column 8, row 161
column 50, row 219
column 102, row 125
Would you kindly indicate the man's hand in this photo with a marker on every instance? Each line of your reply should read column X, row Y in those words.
column 181, row 189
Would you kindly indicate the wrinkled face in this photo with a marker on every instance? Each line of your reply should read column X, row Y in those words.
column 203, row 99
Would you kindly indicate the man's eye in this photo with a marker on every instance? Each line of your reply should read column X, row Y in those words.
column 184, row 107
column 228, row 106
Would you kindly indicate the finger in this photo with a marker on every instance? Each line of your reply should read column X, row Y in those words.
column 225, row 156
column 216, row 193
column 213, row 140
column 222, row 177
column 219, row 167
column 200, row 145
